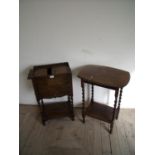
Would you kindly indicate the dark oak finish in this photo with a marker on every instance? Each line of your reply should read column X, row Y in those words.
column 119, row 103
column 104, row 76
column 107, row 77
column 50, row 81
column 83, row 101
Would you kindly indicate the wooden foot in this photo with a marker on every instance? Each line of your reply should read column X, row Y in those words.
column 83, row 118
column 111, row 128
column 44, row 122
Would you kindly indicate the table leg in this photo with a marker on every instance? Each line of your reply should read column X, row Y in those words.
column 83, row 101
column 43, row 112
column 35, row 91
column 72, row 109
column 119, row 102
column 114, row 110
column 70, row 106
column 92, row 93
column 38, row 102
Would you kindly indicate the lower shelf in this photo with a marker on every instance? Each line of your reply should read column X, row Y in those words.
column 55, row 110
column 100, row 111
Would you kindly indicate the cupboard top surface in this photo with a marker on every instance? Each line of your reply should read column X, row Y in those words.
column 44, row 71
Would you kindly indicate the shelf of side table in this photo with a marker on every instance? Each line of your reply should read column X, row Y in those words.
column 100, row 111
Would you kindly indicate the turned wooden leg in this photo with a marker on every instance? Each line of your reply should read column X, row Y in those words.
column 119, row 102
column 38, row 101
column 83, row 101
column 92, row 94
column 114, row 110
column 43, row 112
column 69, row 106
column 111, row 127
column 72, row 108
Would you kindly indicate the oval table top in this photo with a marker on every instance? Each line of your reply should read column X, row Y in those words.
column 104, row 76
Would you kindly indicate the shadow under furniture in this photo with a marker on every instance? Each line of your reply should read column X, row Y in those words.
column 107, row 77
column 52, row 81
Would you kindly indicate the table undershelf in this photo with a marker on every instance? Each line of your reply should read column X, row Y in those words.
column 100, row 111
column 57, row 109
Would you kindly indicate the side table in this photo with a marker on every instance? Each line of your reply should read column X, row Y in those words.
column 107, row 77
column 51, row 81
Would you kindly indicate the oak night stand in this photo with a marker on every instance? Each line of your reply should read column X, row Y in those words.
column 107, row 77
column 51, row 81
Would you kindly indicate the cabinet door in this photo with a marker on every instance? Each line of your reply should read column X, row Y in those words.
column 54, row 87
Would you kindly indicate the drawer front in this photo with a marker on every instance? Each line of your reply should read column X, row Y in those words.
column 54, row 87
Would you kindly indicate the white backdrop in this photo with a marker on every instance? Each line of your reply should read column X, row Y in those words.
column 80, row 32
